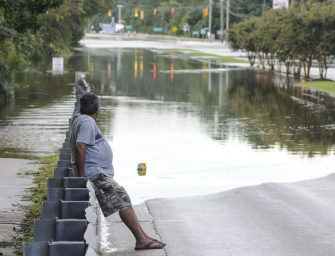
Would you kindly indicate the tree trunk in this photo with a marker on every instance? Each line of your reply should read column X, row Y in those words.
column 287, row 65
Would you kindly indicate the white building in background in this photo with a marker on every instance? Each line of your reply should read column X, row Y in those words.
column 111, row 27
column 279, row 4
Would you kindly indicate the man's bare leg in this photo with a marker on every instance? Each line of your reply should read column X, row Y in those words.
column 129, row 218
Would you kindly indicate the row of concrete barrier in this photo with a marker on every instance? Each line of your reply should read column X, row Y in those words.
column 69, row 224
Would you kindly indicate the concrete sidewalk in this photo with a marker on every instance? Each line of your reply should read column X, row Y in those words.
column 13, row 187
column 119, row 240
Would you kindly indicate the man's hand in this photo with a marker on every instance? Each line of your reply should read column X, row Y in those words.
column 80, row 157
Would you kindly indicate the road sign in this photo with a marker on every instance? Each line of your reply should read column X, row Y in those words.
column 186, row 27
column 157, row 29
column 128, row 27
column 279, row 4
column 174, row 29
column 57, row 65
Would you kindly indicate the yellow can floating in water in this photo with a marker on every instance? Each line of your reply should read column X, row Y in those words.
column 141, row 169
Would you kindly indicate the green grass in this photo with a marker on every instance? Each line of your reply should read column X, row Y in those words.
column 222, row 59
column 203, row 54
column 177, row 50
column 39, row 194
column 325, row 86
column 227, row 59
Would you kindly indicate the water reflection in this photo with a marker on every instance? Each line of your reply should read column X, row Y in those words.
column 261, row 108
column 35, row 122
column 201, row 126
column 213, row 128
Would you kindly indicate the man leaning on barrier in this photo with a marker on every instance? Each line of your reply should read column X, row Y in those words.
column 94, row 158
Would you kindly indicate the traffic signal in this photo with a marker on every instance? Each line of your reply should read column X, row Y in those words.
column 172, row 10
column 205, row 12
column 155, row 11
column 109, row 13
column 136, row 13
column 142, row 15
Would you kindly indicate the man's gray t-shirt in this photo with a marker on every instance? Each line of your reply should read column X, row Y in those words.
column 99, row 155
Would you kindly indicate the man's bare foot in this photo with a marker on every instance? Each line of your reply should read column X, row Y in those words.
column 154, row 239
column 151, row 244
column 151, row 238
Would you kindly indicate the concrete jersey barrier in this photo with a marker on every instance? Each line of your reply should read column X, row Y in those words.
column 70, row 221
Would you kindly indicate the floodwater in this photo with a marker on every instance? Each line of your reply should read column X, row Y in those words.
column 34, row 124
column 201, row 127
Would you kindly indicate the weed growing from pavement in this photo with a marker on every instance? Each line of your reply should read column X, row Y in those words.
column 38, row 194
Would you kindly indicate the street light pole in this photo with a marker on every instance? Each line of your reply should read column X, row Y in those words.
column 210, row 19
column 119, row 6
column 221, row 16
column 228, row 7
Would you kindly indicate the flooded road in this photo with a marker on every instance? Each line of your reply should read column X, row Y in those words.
column 35, row 122
column 200, row 126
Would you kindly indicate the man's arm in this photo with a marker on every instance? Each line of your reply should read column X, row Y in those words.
column 80, row 157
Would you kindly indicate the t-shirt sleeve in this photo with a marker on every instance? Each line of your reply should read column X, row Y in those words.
column 86, row 133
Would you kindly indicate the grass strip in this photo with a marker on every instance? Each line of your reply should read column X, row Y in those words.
column 203, row 54
column 222, row 59
column 228, row 59
column 177, row 50
column 219, row 58
column 39, row 194
column 324, row 86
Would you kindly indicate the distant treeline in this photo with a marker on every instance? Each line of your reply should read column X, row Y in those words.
column 292, row 37
column 153, row 13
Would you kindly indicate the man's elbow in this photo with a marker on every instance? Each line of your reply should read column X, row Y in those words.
column 80, row 147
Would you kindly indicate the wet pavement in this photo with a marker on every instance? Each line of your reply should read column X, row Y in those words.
column 120, row 241
column 288, row 219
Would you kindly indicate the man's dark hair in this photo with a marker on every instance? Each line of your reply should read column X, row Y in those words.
column 89, row 103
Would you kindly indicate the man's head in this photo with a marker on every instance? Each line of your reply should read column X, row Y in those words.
column 89, row 104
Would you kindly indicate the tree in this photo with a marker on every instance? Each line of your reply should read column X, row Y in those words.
column 23, row 15
column 294, row 36
column 241, row 37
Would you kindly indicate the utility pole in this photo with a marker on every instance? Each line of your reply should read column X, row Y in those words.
column 210, row 19
column 264, row 6
column 221, row 17
column 228, row 9
column 119, row 6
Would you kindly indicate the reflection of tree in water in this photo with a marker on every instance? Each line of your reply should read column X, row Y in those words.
column 260, row 107
column 296, row 119
column 5, row 96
